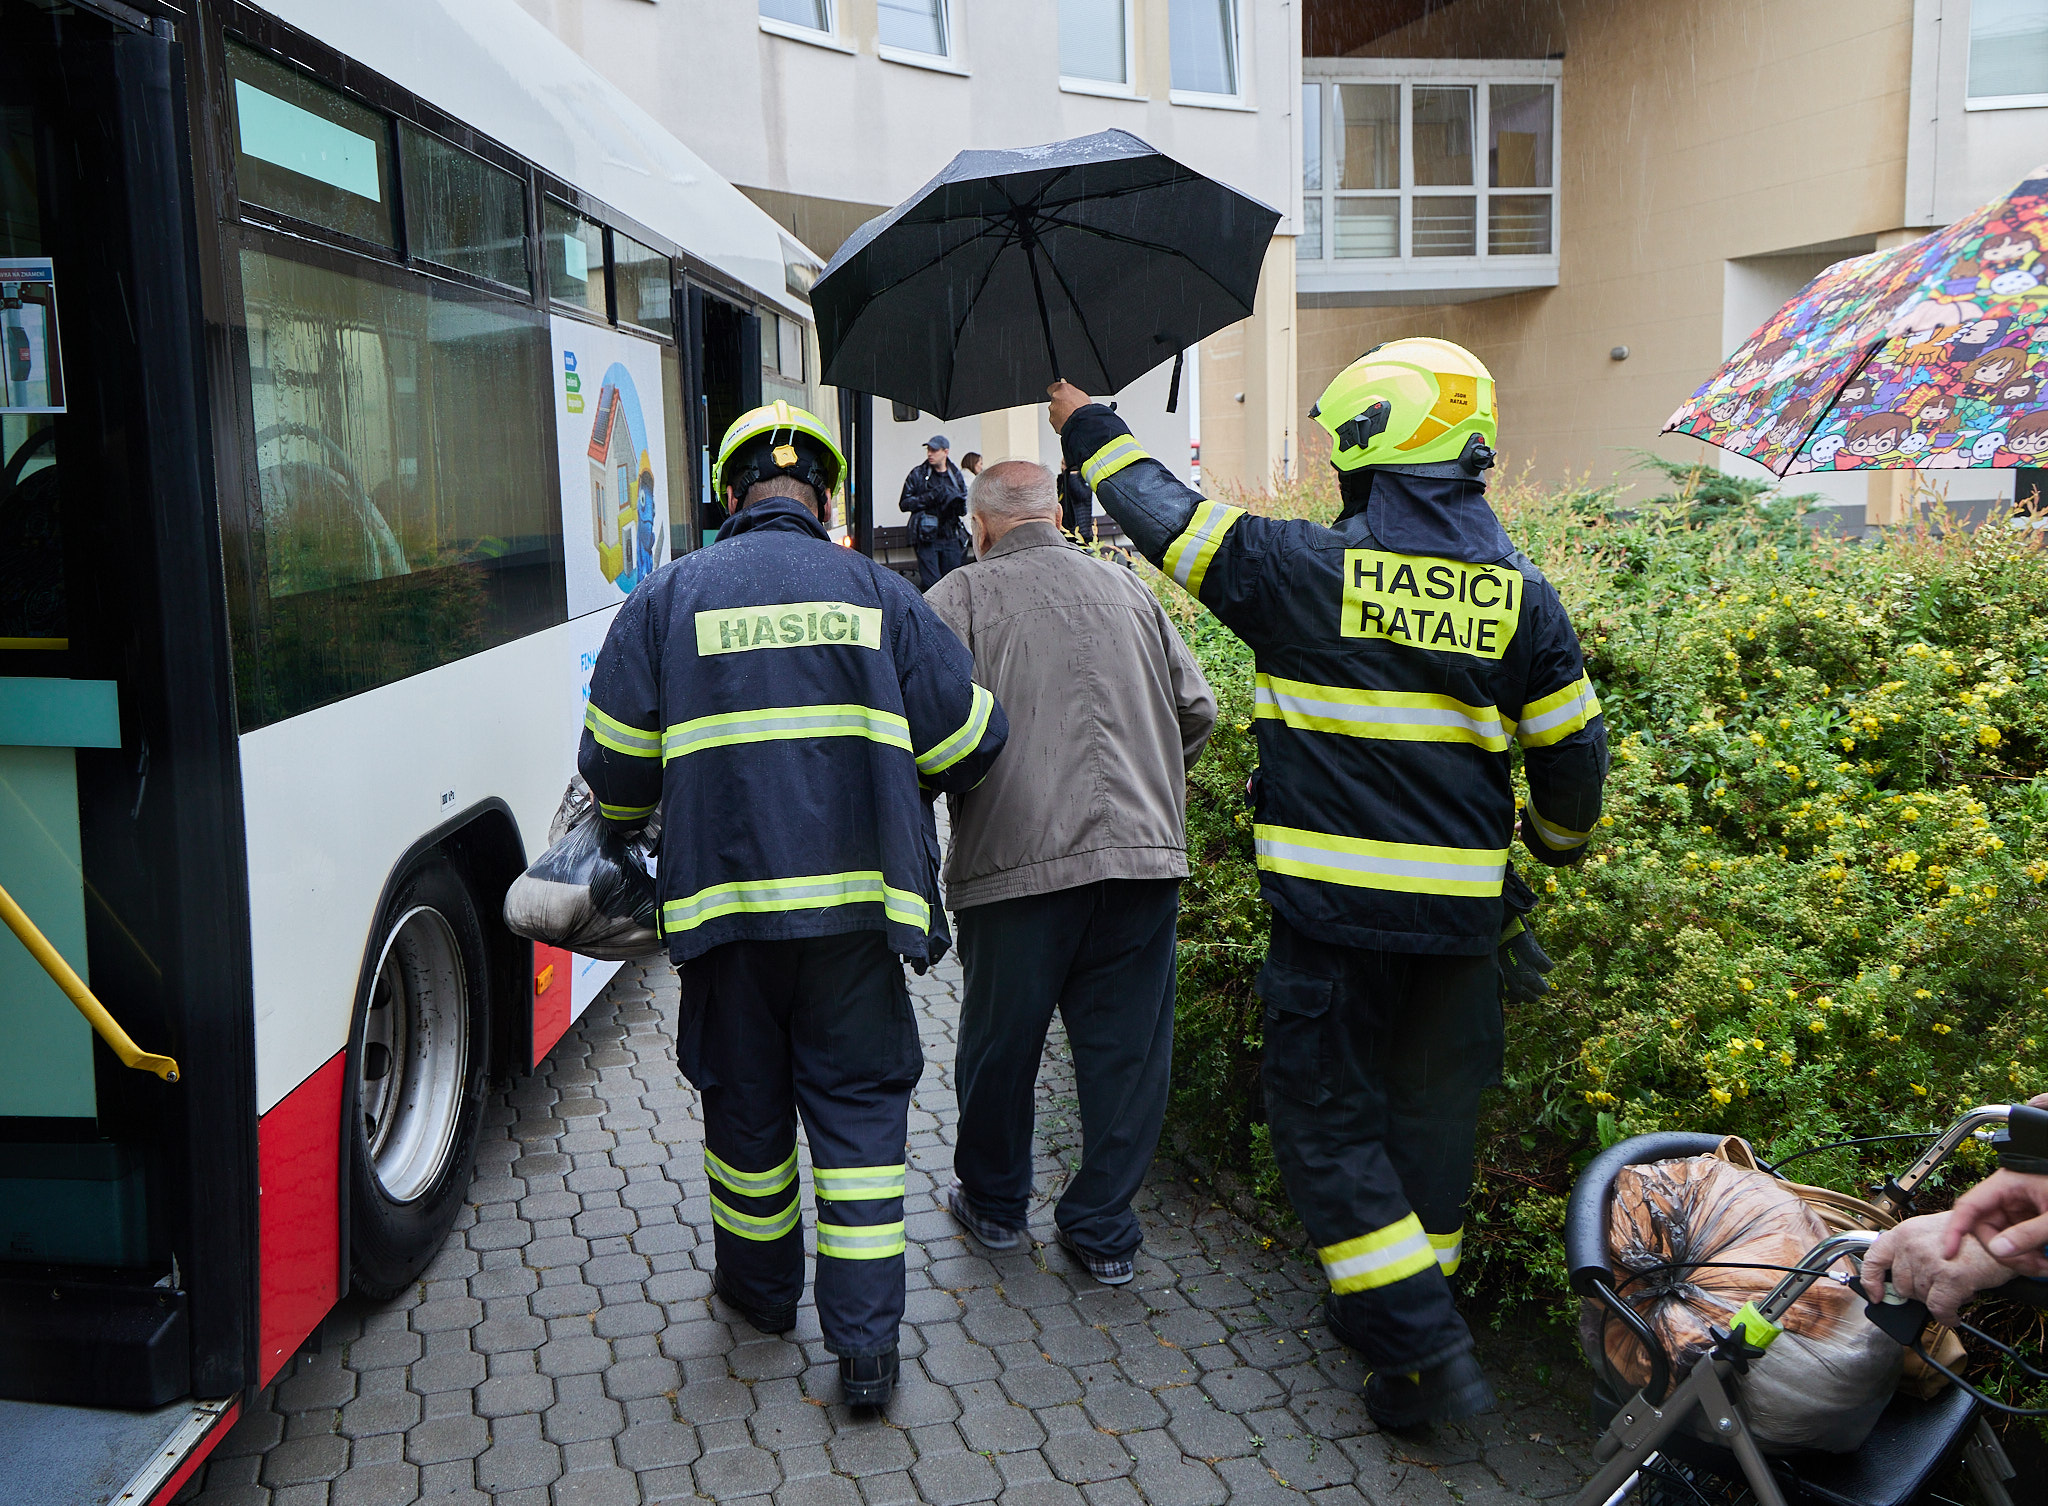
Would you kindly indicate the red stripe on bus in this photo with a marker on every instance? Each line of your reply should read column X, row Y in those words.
column 206, row 1445
column 551, row 970
column 298, row 1160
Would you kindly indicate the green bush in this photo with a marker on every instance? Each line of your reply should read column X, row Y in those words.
column 1817, row 905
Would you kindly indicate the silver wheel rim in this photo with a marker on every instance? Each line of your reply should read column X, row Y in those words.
column 415, row 1054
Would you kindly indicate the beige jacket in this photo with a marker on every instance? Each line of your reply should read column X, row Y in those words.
column 1108, row 711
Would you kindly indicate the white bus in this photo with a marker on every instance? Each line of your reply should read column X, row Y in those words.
column 359, row 357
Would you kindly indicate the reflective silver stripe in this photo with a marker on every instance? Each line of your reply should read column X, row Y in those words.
column 1187, row 557
column 1379, row 865
column 859, row 1241
column 782, row 722
column 752, row 1183
column 1293, row 707
column 751, row 1226
column 810, row 893
column 964, row 741
column 1562, row 838
column 1549, row 724
column 858, row 1183
column 1111, row 458
column 612, row 733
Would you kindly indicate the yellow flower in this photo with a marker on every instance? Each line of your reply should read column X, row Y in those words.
column 1988, row 736
column 1746, row 985
column 1910, row 813
column 1816, row 1026
column 1921, row 993
column 1735, row 1048
column 1785, row 1057
column 1917, row 1089
column 1940, row 1029
column 1719, row 1095
column 1756, row 1043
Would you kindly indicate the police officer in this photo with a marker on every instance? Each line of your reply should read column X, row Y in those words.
column 781, row 700
column 935, row 496
column 1399, row 651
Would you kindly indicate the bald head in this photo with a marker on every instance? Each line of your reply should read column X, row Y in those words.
column 1008, row 493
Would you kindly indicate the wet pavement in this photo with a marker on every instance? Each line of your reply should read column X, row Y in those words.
column 565, row 1349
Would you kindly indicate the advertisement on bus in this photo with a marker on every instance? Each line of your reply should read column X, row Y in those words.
column 614, row 459
column 31, row 374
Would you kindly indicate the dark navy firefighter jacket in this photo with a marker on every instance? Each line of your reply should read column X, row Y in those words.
column 1399, row 653
column 782, row 699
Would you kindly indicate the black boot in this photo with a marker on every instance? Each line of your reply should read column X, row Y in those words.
column 779, row 1319
column 867, row 1380
column 1442, row 1393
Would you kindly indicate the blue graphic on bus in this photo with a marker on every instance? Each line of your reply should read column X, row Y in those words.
column 625, row 515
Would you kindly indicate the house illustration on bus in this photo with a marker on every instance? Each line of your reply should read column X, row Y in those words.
column 614, row 478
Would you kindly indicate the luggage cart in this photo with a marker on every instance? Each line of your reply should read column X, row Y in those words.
column 1647, row 1453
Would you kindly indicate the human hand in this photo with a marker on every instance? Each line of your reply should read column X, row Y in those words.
column 2008, row 1213
column 1066, row 400
column 1913, row 1258
column 1522, row 965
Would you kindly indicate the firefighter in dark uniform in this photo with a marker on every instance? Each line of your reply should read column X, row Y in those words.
column 1399, row 652
column 789, row 705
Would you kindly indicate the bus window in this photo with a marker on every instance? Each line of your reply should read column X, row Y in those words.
column 640, row 278
column 461, row 212
column 575, row 256
column 683, row 483
column 408, row 515
column 304, row 150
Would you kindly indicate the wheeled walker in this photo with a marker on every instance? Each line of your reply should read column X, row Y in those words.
column 1649, row 1452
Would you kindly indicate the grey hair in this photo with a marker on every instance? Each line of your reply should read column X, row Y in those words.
column 1011, row 491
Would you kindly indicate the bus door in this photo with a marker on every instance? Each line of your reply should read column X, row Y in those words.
column 725, row 343
column 127, row 1238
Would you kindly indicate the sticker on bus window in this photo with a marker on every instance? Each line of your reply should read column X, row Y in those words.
column 31, row 368
column 614, row 459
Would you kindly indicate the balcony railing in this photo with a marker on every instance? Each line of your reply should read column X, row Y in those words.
column 1427, row 178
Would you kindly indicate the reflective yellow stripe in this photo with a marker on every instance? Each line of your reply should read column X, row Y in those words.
column 752, row 1183
column 962, row 742
column 1395, row 715
column 624, row 812
column 748, row 1226
column 1450, row 1248
column 1187, row 557
column 775, row 723
column 860, row 1241
column 1556, row 838
column 815, row 892
column 1380, row 1258
column 1408, row 867
column 1111, row 458
column 1559, row 715
column 639, row 742
column 854, row 1184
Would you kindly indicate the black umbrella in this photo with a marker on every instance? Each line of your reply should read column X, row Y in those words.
column 1093, row 259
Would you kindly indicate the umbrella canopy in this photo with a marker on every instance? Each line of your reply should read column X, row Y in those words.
column 1931, row 356
column 1093, row 259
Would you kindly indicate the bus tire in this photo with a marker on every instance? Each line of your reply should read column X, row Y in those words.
column 419, row 1065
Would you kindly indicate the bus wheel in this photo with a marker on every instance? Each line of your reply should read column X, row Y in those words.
column 420, row 1061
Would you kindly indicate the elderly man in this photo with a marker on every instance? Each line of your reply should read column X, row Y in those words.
column 1066, row 864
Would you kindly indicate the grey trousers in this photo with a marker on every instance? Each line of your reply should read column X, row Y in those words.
column 1103, row 955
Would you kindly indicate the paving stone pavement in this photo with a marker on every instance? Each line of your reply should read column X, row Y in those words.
column 564, row 1349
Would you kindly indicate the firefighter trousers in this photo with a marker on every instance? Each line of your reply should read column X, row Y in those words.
column 820, row 1027
column 1374, row 1063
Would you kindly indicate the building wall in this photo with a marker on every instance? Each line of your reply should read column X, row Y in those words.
column 1957, row 157
column 823, row 137
column 1692, row 137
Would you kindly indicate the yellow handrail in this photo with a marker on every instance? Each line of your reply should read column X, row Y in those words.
column 75, row 990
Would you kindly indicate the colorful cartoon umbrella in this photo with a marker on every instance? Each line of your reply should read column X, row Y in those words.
column 1930, row 356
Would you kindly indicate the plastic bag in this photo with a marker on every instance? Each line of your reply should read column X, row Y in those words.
column 590, row 892
column 1823, row 1381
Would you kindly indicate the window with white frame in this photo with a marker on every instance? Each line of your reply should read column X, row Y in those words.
column 810, row 15
column 1202, row 45
column 1095, row 42
column 1426, row 168
column 916, row 26
column 2009, row 51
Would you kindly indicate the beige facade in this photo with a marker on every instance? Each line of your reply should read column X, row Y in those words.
column 1693, row 139
column 825, row 126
